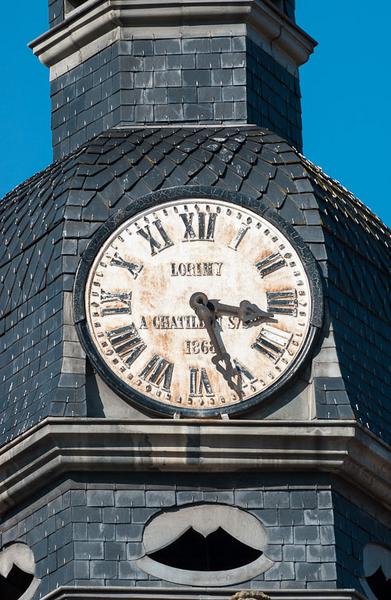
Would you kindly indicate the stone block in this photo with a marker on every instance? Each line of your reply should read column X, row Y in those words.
column 169, row 46
column 116, row 515
column 160, row 498
column 89, row 550
column 196, row 77
column 276, row 499
column 209, row 94
column 189, row 496
column 320, row 553
column 79, row 531
column 308, row 571
column 143, row 48
column 142, row 515
column 291, row 516
column 327, row 535
column 129, row 498
column 208, row 61
column 127, row 533
column 100, row 531
column 280, row 535
column 294, row 552
column 319, row 516
column 127, row 570
column 325, row 499
column 84, row 514
column 103, row 569
column 223, row 497
column 279, row 571
column 81, row 569
column 115, row 551
column 303, row 499
column 249, row 498
column 171, row 78
column 306, row 534
column 196, row 46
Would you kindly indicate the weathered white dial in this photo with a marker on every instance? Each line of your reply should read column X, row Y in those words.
column 139, row 317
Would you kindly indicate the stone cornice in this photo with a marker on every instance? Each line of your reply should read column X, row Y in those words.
column 60, row 445
column 98, row 18
column 182, row 593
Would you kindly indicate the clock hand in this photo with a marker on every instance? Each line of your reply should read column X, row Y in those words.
column 247, row 312
column 221, row 360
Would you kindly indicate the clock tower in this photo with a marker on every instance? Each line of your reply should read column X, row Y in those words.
column 194, row 326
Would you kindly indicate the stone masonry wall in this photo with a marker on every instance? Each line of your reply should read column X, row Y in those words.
column 192, row 80
column 89, row 533
column 273, row 95
column 354, row 529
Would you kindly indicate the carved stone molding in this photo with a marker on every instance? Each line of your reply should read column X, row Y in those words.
column 60, row 445
column 192, row 594
column 98, row 18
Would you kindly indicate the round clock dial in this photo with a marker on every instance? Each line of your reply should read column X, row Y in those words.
column 197, row 305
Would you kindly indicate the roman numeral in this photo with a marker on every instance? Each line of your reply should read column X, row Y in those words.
column 239, row 236
column 133, row 268
column 272, row 342
column 199, row 382
column 158, row 371
column 283, row 302
column 271, row 263
column 127, row 343
column 155, row 245
column 244, row 373
column 205, row 227
column 119, row 303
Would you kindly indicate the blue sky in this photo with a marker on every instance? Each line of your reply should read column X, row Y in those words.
column 346, row 89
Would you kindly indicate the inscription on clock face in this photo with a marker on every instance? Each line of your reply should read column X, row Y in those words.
column 148, row 335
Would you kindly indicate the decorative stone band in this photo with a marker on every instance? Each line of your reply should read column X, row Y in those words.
column 139, row 593
column 60, row 445
column 98, row 18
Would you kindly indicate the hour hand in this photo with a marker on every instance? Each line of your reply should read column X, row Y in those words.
column 247, row 312
column 221, row 360
column 205, row 312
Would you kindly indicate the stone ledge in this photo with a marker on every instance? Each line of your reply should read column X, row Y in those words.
column 60, row 445
column 98, row 18
column 182, row 593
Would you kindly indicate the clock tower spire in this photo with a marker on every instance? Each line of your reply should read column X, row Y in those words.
column 194, row 326
column 116, row 64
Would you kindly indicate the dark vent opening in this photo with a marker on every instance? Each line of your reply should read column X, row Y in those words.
column 379, row 585
column 72, row 4
column 15, row 584
column 219, row 551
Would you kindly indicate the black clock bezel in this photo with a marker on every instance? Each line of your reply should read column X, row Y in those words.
column 145, row 403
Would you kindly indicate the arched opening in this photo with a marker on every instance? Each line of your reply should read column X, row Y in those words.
column 218, row 551
column 17, row 572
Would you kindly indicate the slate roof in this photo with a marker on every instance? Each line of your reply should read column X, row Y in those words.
column 47, row 222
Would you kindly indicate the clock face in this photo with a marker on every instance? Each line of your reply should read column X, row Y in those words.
column 152, row 344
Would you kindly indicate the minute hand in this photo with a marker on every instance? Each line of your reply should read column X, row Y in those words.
column 248, row 313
